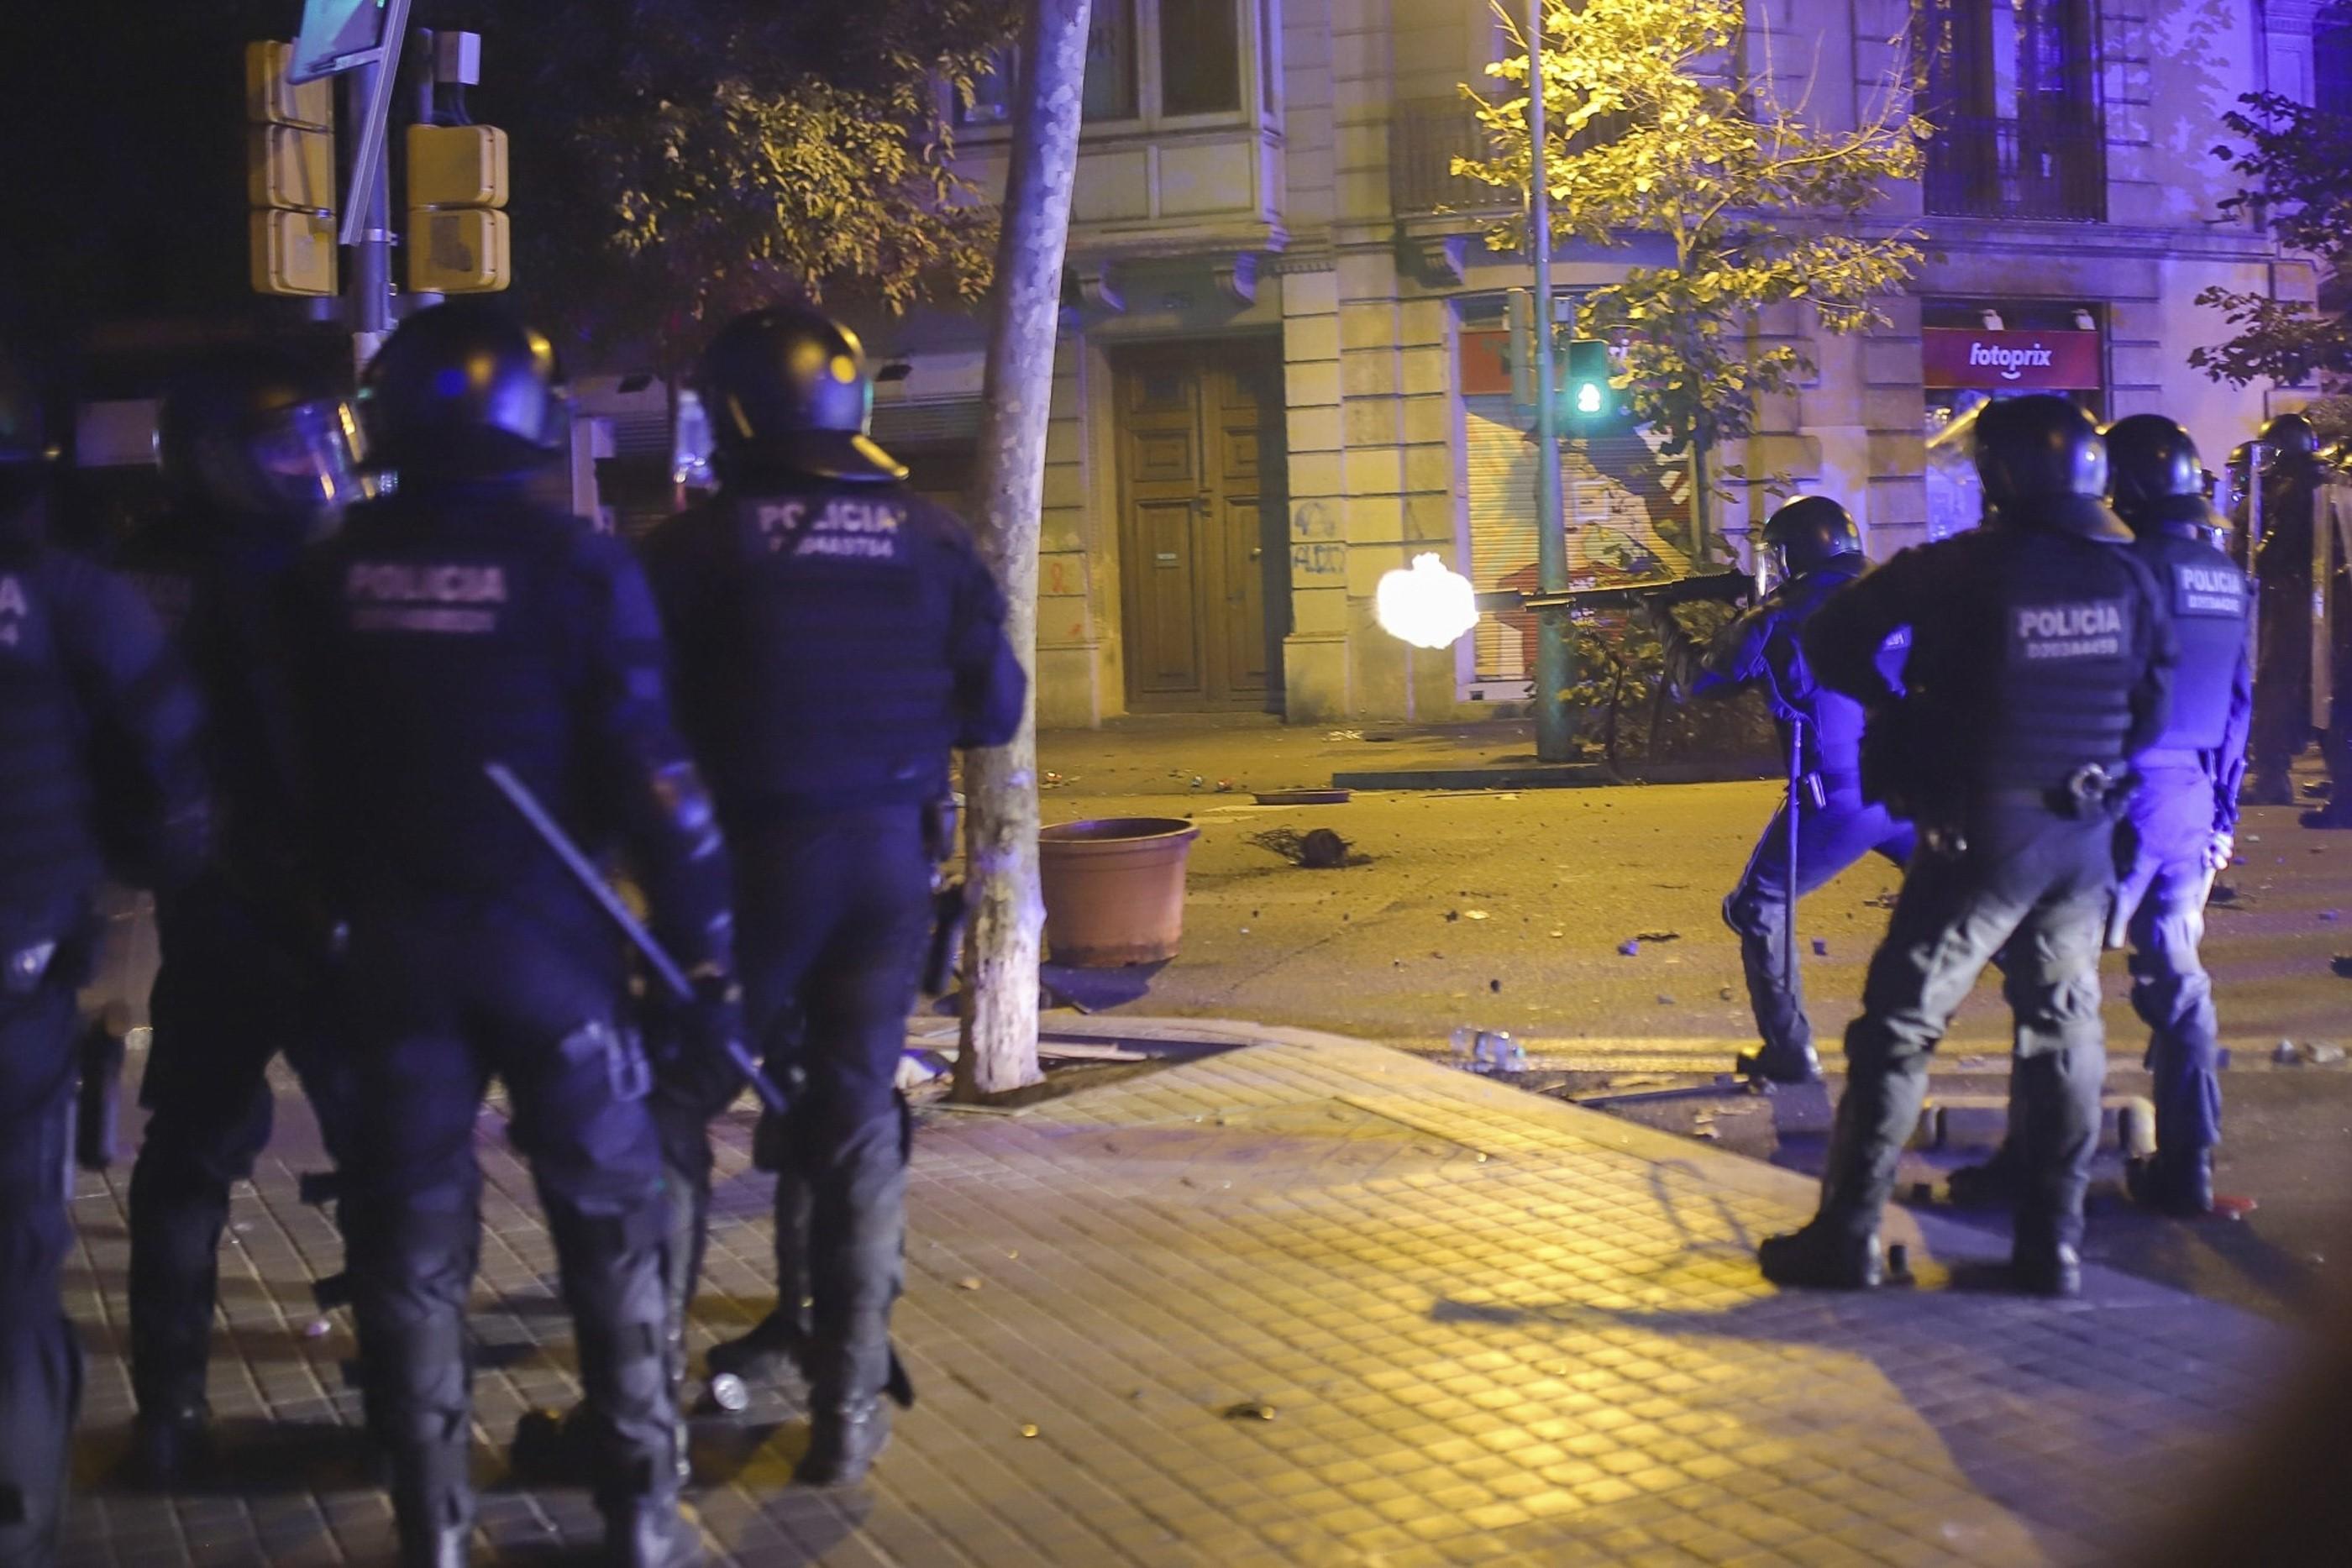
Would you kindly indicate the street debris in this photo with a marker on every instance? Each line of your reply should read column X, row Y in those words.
column 1051, row 781
column 969, row 1282
column 2342, row 965
column 1303, row 797
column 1657, row 936
column 316, row 1328
column 1474, row 915
column 1821, row 947
column 1028, row 1429
column 1665, row 1001
column 2319, row 1053
column 1319, row 850
column 1886, row 900
column 2224, row 892
column 1249, row 1411
column 1629, row 948
column 1225, row 785
column 1487, row 1051
column 1494, row 986
column 2331, row 914
column 1723, row 993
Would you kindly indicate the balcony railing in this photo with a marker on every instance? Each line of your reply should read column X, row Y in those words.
column 1979, row 167
column 1426, row 135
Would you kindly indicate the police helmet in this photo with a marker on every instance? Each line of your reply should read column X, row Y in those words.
column 2154, row 473
column 463, row 391
column 2290, row 435
column 786, row 389
column 2038, row 448
column 252, row 436
column 1810, row 532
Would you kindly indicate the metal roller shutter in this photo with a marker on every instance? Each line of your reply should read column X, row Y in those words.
column 1620, row 501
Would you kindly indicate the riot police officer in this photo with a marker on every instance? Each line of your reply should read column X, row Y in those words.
column 2289, row 478
column 257, row 454
column 835, row 638
column 2042, row 651
column 1819, row 551
column 2184, row 817
column 98, row 772
column 451, row 624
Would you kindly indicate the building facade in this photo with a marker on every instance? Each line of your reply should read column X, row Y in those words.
column 1280, row 373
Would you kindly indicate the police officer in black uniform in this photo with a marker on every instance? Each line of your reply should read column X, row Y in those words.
column 2183, row 818
column 259, row 456
column 2289, row 475
column 835, row 638
column 99, row 772
column 2041, row 652
column 1819, row 551
column 451, row 624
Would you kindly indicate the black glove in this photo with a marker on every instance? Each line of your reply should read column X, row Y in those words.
column 698, row 1072
column 1889, row 764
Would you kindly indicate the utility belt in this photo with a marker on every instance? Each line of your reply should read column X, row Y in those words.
column 2180, row 758
column 2094, row 792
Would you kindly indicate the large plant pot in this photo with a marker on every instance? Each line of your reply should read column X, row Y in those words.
column 1114, row 889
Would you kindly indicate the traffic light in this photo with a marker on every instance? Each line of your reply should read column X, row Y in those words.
column 458, row 240
column 290, row 163
column 1589, row 406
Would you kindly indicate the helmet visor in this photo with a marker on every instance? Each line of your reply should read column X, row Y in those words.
column 305, row 462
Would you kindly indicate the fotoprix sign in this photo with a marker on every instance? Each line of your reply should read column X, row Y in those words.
column 2012, row 361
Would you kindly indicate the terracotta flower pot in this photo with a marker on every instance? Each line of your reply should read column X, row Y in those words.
column 1114, row 889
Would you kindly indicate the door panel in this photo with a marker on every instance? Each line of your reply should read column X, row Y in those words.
column 1164, row 659
column 1207, row 570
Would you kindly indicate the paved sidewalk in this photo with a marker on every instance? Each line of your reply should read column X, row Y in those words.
column 1312, row 1302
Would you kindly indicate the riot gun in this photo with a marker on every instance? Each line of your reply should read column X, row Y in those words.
column 1698, row 587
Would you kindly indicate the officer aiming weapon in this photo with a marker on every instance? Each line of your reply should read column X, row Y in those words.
column 664, row 967
column 1721, row 586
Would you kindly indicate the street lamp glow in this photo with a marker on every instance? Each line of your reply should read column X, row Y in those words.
column 1429, row 606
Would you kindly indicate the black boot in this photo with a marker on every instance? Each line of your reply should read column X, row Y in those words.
column 856, row 1235
column 779, row 1341
column 844, row 1441
column 1991, row 1184
column 1821, row 1258
column 172, row 1446
column 775, row 1343
column 2180, row 1185
column 433, row 1505
column 2046, row 1267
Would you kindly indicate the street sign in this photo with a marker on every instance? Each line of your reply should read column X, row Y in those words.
column 338, row 36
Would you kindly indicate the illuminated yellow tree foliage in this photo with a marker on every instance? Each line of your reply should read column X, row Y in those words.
column 1655, row 131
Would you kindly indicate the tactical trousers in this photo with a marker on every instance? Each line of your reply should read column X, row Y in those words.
column 230, row 996
column 2038, row 884
column 446, row 996
column 40, row 1366
column 2170, row 828
column 833, row 911
column 2281, row 725
column 1829, row 838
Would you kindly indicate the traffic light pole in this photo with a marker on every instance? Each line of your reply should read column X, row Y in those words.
column 1555, row 652
column 367, row 224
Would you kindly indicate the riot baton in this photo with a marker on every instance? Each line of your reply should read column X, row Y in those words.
column 673, row 979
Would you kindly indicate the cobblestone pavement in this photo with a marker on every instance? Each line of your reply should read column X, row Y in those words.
column 1308, row 1301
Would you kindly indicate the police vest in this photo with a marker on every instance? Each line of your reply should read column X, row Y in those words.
column 2027, row 657
column 2210, row 602
column 51, row 854
column 441, row 636
column 813, row 670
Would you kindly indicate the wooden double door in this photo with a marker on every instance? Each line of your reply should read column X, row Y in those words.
column 1203, row 540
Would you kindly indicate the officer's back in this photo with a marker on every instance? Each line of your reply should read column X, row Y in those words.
column 848, row 641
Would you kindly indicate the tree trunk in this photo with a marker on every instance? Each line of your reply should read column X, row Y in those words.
column 1008, row 913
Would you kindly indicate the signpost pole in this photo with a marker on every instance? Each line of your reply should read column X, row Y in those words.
column 1555, row 667
column 367, row 216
